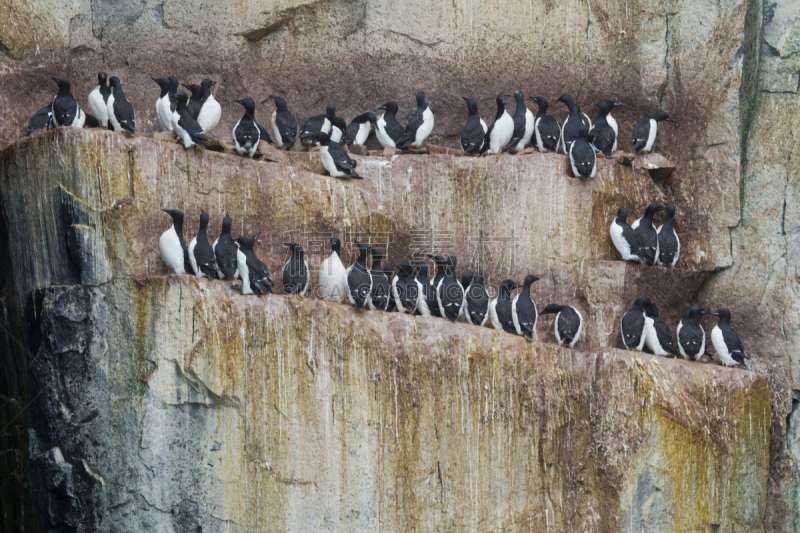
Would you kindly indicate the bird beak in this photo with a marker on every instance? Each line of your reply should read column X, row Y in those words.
column 710, row 313
column 619, row 104
column 515, row 286
column 382, row 108
column 237, row 101
column 668, row 119
column 289, row 244
column 213, row 82
column 154, row 79
column 464, row 98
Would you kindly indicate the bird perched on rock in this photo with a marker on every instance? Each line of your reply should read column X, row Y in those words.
column 320, row 124
column 602, row 136
column 210, row 110
column 477, row 302
column 380, row 293
column 625, row 239
column 441, row 265
column 295, row 271
column 449, row 293
column 388, row 130
column 612, row 103
column 633, row 325
column 419, row 126
column 65, row 110
column 466, row 279
column 172, row 246
column 188, row 130
column 201, row 254
column 647, row 234
column 195, row 99
column 523, row 310
column 658, row 336
column 120, row 111
column 499, row 133
column 691, row 336
column 500, row 308
column 284, row 126
column 568, row 323
column 254, row 273
column 359, row 279
column 572, row 124
column 388, row 269
column 726, row 342
column 335, row 159
column 582, row 157
column 473, row 134
column 41, row 119
column 358, row 130
column 405, row 289
column 225, row 251
column 333, row 275
column 426, row 301
column 669, row 246
column 523, row 125
column 246, row 134
column 546, row 128
column 644, row 132
column 165, row 101
column 98, row 99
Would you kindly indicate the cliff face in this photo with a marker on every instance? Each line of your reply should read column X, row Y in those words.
column 137, row 402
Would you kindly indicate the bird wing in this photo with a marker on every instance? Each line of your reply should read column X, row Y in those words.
column 351, row 132
column 40, row 119
column 632, row 327
column 410, row 132
column 583, row 156
column 664, row 336
column 603, row 138
column 310, row 127
column 568, row 324
column 472, row 136
column 550, row 132
column 732, row 341
column 287, row 126
column 264, row 133
column 126, row 117
column 640, row 133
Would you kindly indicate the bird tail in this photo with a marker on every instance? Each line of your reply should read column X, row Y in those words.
column 200, row 138
column 511, row 144
column 403, row 141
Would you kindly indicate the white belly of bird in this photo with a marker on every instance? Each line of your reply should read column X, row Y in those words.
column 171, row 250
column 485, row 129
column 622, row 246
column 651, row 338
column 336, row 134
column 425, row 129
column 243, row 272
column 526, row 137
column 182, row 133
column 613, row 123
column 501, row 133
column 514, row 317
column 80, row 119
column 493, row 315
column 98, row 106
column 677, row 251
column 193, row 259
column 332, row 279
column 380, row 133
column 209, row 114
column 275, row 131
column 651, row 135
column 422, row 301
column 111, row 118
column 363, row 133
column 164, row 112
column 721, row 348
column 328, row 163
column 396, row 295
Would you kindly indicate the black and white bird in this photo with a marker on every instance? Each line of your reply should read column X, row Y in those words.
column 318, row 124
column 644, row 132
column 473, row 134
column 188, row 130
column 658, row 336
column 166, row 102
column 523, row 310
column 546, row 129
column 388, row 130
column 632, row 326
column 335, row 159
column 669, row 246
column 120, row 111
column 295, row 271
column 582, row 157
column 647, row 234
column 501, row 130
column 210, row 110
column 333, row 275
column 65, row 109
column 405, row 289
column 201, row 254
column 41, row 119
column 253, row 272
column 726, row 342
column 449, row 293
column 284, row 126
column 466, row 279
column 358, row 130
column 477, row 302
column 380, row 293
column 625, row 239
column 441, row 265
column 691, row 336
column 500, row 308
column 172, row 246
column 568, row 323
column 225, row 251
column 359, row 279
column 388, row 269
column 426, row 300
column 603, row 136
column 523, row 125
column 572, row 124
column 246, row 134
column 98, row 99
column 419, row 126
column 195, row 99
column 612, row 103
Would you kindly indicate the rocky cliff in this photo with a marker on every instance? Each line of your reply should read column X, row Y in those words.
column 138, row 402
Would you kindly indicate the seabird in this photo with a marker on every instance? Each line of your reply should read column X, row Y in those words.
column 359, row 279
column 388, row 269
column 523, row 125
column 201, row 254
column 163, row 110
column 225, row 251
column 40, row 119
column 195, row 100
column 500, row 308
column 501, row 130
column 581, row 155
column 523, row 310
column 449, row 293
column 473, row 134
column 567, row 325
column 295, row 271
column 546, row 128
column 441, row 266
column 358, row 130
column 98, row 99
column 254, row 273
column 420, row 125
column 477, row 302
column 658, row 336
column 284, row 126
column 405, row 289
column 335, row 159
column 120, row 111
column 647, row 234
column 246, row 134
column 633, row 325
column 644, row 132
column 612, row 103
column 572, row 124
column 625, row 239
column 188, row 130
column 388, row 130
column 602, row 136
column 172, row 246
column 380, row 294
column 426, row 300
column 691, row 336
column 466, row 279
column 669, row 246
column 210, row 110
column 318, row 124
column 65, row 109
column 726, row 342
column 333, row 275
